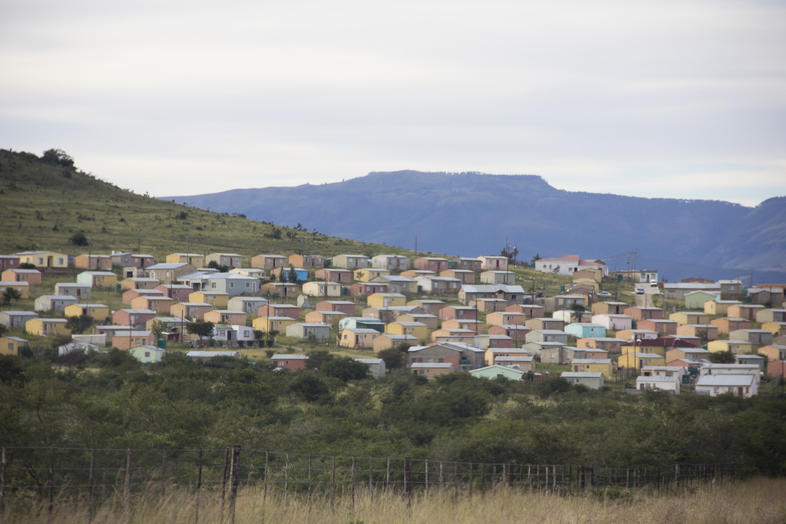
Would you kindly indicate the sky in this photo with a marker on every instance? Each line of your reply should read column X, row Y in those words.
column 655, row 99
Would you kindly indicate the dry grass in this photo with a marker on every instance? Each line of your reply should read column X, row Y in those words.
column 752, row 501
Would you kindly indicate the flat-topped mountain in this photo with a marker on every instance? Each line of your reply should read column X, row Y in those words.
column 471, row 213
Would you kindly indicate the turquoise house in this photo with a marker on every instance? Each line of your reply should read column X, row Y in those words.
column 585, row 330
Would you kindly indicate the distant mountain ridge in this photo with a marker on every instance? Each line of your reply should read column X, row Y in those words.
column 472, row 213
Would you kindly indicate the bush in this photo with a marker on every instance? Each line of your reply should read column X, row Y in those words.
column 78, row 239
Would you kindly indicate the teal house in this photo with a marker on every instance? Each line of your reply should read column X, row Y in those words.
column 585, row 330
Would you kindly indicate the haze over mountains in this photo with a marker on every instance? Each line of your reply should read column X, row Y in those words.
column 472, row 214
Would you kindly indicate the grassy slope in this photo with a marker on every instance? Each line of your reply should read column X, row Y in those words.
column 43, row 205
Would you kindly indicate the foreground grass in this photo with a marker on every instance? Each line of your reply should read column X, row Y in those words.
column 751, row 501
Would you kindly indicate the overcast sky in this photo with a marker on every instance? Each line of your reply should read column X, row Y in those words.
column 682, row 98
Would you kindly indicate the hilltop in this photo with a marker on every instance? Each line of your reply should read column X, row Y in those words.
column 470, row 213
column 45, row 201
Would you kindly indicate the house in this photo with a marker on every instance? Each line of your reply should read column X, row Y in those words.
column 388, row 314
column 16, row 319
column 513, row 294
column 736, row 346
column 400, row 327
column 301, row 274
column 392, row 340
column 344, row 306
column 757, row 337
column 686, row 353
column 776, row 368
column 591, row 380
column 367, row 274
column 15, row 274
column 227, row 260
column 279, row 310
column 53, row 303
column 45, row 259
column 764, row 296
column 215, row 299
column 659, row 326
column 309, row 331
column 45, row 327
column 194, row 259
column 491, row 354
column 391, row 262
column 547, row 335
column 453, row 335
column 661, row 383
column 610, row 344
column 269, row 262
column 472, row 264
column 517, row 333
column 103, row 279
column 343, row 276
column 498, row 277
column 11, row 345
column 493, row 262
column 270, row 324
column 229, row 334
column 331, row 318
column 147, row 354
column 96, row 262
column 280, row 289
column 643, row 313
column 639, row 360
column 776, row 328
column 23, row 288
column 703, row 331
column 613, row 322
column 719, row 307
column 738, row 385
column 433, row 285
column 139, row 283
column 545, row 323
column 73, row 289
column 290, row 361
column 431, row 369
column 248, row 305
column 436, row 353
column 357, row 338
column 771, row 352
column 564, row 302
column 399, row 284
column 746, row 311
column 458, row 312
column 427, row 305
column 683, row 318
column 730, row 289
column 638, row 276
column 489, row 305
column 530, row 310
column 376, row 366
column 610, row 307
column 168, row 273
column 770, row 315
column 567, row 316
column 307, row 261
column 415, row 273
column 351, row 261
column 132, row 317
column 698, row 299
column 141, row 260
column 233, row 284
column 98, row 312
column 476, row 326
column 178, row 292
column 156, row 302
column 681, row 290
column 501, row 318
column 568, row 265
column 726, row 325
column 386, row 299
column 225, row 316
column 430, row 321
column 464, row 275
column 364, row 289
column 190, row 310
column 434, row 264
column 496, row 372
column 8, row 261
column 198, row 279
column 593, row 365
column 254, row 272
column 629, row 335
column 322, row 288
column 585, row 330
column 756, row 360
column 361, row 323
column 204, row 355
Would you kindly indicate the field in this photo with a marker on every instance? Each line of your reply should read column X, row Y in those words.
column 758, row 500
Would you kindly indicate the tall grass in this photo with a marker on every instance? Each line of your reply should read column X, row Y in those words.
column 753, row 501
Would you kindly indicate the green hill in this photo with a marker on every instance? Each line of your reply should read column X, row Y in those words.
column 46, row 201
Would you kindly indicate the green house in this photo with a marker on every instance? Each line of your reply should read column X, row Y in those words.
column 492, row 372
column 696, row 299
column 147, row 354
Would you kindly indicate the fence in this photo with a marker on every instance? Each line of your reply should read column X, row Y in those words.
column 93, row 475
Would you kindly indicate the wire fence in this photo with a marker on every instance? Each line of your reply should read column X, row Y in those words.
column 91, row 476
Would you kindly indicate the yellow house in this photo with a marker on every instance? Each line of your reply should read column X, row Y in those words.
column 97, row 278
column 776, row 328
column 97, row 311
column 22, row 287
column 44, row 327
column 683, row 318
column 643, row 347
column 419, row 330
column 639, row 360
column 735, row 346
column 719, row 307
column 386, row 300
column 367, row 274
column 194, row 259
column 593, row 365
column 268, row 324
column 43, row 259
column 217, row 300
column 11, row 345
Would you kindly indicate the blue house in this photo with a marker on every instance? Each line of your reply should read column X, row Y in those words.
column 302, row 274
column 585, row 330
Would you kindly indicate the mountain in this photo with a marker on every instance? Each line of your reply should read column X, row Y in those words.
column 45, row 202
column 472, row 214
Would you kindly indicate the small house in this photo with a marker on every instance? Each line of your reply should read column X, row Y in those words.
column 591, row 380
column 147, row 354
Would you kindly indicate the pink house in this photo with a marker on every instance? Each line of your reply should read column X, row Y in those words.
column 279, row 310
column 458, row 312
column 8, row 261
column 364, row 289
column 290, row 361
column 431, row 264
column 334, row 275
column 343, row 306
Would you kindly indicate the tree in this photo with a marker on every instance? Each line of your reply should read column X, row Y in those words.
column 79, row 239
column 80, row 324
column 393, row 358
column 345, row 368
column 722, row 357
column 510, row 251
column 577, row 311
column 292, row 275
column 158, row 328
column 535, row 259
column 201, row 328
column 318, row 359
column 10, row 294
column 57, row 157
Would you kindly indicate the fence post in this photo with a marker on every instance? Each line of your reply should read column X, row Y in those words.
column 352, row 481
column 2, row 485
column 234, row 476
column 198, row 486
column 427, row 477
column 309, row 482
column 387, row 474
column 441, row 477
column 470, row 478
column 286, row 479
column 163, row 473
column 371, row 478
column 127, row 480
column 408, row 480
column 224, row 480
column 50, row 507
column 91, row 484
column 264, row 492
column 677, row 474
column 333, row 481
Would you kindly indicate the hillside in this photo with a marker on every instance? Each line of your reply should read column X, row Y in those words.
column 43, row 204
column 472, row 213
